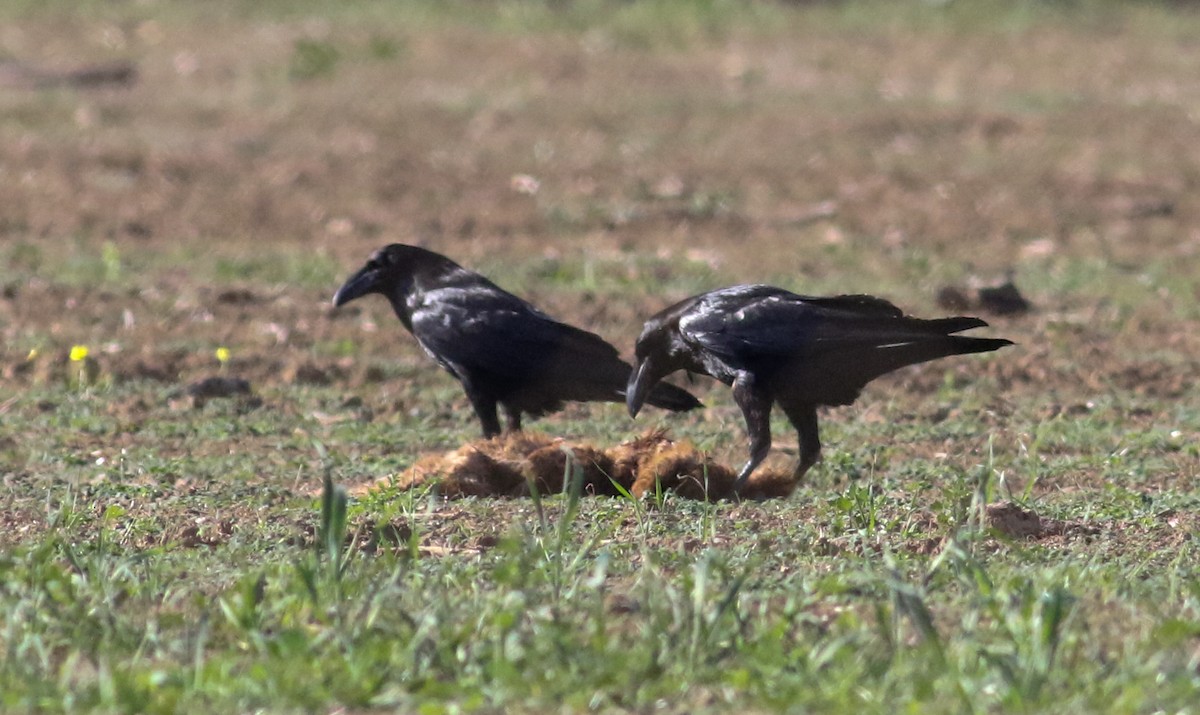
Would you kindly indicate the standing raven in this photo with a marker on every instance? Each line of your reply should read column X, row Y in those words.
column 776, row 347
column 502, row 349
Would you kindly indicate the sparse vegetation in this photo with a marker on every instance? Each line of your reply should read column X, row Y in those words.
column 1014, row 533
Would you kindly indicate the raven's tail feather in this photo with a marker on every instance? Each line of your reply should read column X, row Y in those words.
column 964, row 345
column 872, row 364
column 946, row 326
column 670, row 397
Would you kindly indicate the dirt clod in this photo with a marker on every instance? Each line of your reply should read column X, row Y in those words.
column 1015, row 522
column 211, row 387
column 306, row 373
column 1001, row 299
column 201, row 391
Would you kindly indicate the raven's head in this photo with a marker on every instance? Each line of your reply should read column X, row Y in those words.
column 377, row 276
column 654, row 361
column 390, row 270
column 660, row 351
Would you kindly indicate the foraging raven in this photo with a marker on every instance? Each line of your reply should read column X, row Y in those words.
column 776, row 347
column 502, row 349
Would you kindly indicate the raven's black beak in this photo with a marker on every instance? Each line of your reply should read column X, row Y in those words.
column 640, row 381
column 358, row 285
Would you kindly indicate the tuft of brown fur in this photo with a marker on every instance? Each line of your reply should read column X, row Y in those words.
column 510, row 464
column 514, row 446
column 687, row 471
column 470, row 472
column 628, row 457
column 547, row 466
column 770, row 484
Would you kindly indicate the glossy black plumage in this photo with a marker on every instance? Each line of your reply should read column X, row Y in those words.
column 504, row 351
column 775, row 347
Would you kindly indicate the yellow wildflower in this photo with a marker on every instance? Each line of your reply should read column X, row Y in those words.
column 78, row 352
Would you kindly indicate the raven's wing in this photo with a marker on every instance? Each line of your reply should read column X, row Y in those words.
column 821, row 350
column 759, row 322
column 492, row 334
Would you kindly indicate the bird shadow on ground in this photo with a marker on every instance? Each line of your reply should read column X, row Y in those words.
column 514, row 464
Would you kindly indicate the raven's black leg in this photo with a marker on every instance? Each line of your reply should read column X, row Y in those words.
column 804, row 419
column 485, row 409
column 513, row 415
column 756, row 409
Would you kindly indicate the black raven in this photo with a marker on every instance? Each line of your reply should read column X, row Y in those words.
column 502, row 349
column 776, row 347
